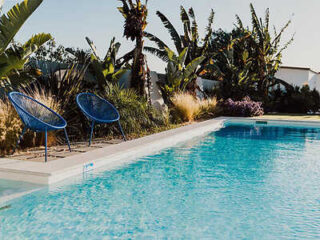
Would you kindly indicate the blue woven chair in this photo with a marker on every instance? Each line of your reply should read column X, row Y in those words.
column 98, row 111
column 37, row 117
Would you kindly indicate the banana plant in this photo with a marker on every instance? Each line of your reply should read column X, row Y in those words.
column 265, row 49
column 13, row 57
column 197, row 47
column 105, row 70
column 178, row 73
column 189, row 39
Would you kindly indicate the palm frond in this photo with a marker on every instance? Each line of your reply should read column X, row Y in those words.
column 256, row 23
column 267, row 19
column 161, row 45
column 192, row 66
column 11, row 22
column 37, row 41
column 277, row 39
column 186, row 22
column 239, row 22
column 209, row 31
column 162, row 54
column 194, row 28
column 173, row 32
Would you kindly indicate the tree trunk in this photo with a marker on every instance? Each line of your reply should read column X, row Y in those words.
column 137, row 79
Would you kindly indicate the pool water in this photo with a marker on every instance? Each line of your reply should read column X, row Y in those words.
column 241, row 182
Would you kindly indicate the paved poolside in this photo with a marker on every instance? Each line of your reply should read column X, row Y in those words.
column 63, row 164
column 62, row 151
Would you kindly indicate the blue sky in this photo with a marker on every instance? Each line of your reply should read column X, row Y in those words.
column 70, row 21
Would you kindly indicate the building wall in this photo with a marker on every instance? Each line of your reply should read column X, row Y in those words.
column 300, row 77
column 295, row 77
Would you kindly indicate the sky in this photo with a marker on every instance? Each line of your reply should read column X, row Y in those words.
column 70, row 21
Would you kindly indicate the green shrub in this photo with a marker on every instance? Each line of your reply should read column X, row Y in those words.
column 294, row 100
column 10, row 127
column 136, row 114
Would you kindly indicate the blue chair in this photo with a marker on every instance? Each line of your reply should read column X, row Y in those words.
column 37, row 117
column 98, row 111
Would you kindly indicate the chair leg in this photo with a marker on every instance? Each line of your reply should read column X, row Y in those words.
column 91, row 133
column 20, row 138
column 67, row 138
column 46, row 150
column 121, row 130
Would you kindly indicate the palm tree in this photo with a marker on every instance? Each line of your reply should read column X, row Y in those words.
column 190, row 39
column 13, row 57
column 135, row 15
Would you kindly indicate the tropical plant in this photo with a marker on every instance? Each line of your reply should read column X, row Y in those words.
column 13, row 57
column 137, row 115
column 105, row 70
column 135, row 15
column 248, row 59
column 267, row 51
column 178, row 74
column 233, row 70
column 190, row 39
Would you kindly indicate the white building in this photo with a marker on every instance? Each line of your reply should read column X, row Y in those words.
column 299, row 76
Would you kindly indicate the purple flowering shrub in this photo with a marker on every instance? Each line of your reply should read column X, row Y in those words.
column 244, row 108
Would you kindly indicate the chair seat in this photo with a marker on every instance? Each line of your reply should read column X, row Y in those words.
column 97, row 109
column 36, row 115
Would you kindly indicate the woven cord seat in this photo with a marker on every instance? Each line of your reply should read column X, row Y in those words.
column 37, row 117
column 98, row 111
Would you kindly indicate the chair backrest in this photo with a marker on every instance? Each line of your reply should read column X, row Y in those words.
column 34, row 114
column 97, row 108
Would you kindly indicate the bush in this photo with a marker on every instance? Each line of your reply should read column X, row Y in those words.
column 294, row 100
column 136, row 114
column 208, row 108
column 10, row 127
column 244, row 108
column 187, row 108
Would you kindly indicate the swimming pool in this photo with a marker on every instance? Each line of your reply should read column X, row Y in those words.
column 241, row 182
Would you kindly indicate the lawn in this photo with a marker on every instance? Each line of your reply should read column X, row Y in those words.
column 295, row 117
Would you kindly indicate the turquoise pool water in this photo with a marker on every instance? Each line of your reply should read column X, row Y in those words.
column 242, row 182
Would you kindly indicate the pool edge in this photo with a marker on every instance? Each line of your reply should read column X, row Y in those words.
column 59, row 170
